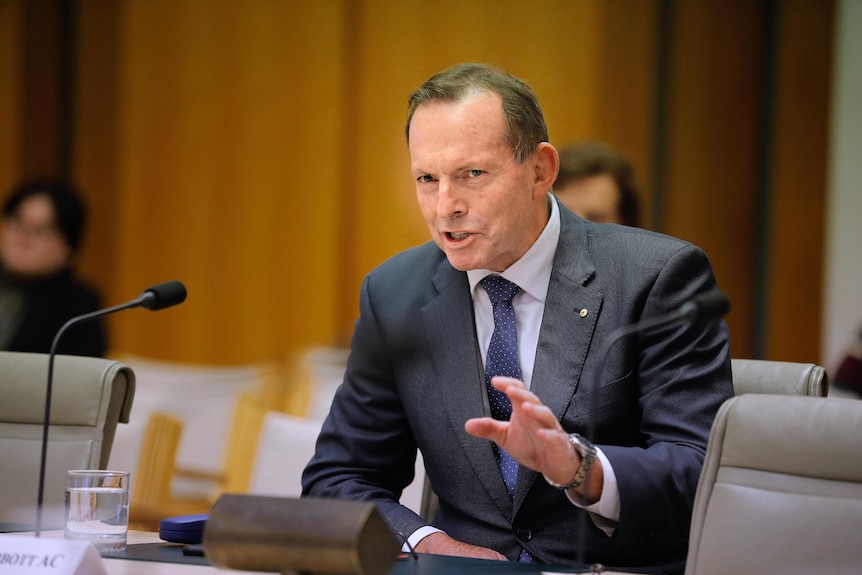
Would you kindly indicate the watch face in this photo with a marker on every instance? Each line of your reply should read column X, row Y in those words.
column 588, row 455
column 581, row 443
column 586, row 449
column 578, row 445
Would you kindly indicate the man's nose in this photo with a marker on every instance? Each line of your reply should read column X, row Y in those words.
column 450, row 201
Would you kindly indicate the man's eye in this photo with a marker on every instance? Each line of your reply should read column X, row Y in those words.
column 425, row 178
column 474, row 173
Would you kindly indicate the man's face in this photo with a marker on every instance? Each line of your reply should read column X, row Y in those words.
column 483, row 208
column 595, row 198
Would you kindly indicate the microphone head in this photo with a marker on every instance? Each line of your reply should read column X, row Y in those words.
column 163, row 295
column 706, row 306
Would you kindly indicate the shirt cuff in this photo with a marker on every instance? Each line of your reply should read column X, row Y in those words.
column 418, row 536
column 605, row 512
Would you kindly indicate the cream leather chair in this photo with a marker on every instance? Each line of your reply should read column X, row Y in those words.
column 90, row 396
column 781, row 488
column 782, row 377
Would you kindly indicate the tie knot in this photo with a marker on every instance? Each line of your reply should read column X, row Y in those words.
column 499, row 288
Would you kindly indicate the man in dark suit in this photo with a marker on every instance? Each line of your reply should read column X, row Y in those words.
column 416, row 373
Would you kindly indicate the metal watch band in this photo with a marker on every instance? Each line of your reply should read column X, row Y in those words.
column 588, row 456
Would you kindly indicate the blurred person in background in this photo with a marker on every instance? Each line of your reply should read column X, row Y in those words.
column 598, row 183
column 848, row 376
column 43, row 224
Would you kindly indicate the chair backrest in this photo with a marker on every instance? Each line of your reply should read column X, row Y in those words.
column 285, row 447
column 781, row 488
column 781, row 377
column 90, row 396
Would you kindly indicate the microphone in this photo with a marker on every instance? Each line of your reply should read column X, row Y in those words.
column 160, row 296
column 700, row 310
column 154, row 298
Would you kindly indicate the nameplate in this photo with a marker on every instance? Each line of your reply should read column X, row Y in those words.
column 27, row 555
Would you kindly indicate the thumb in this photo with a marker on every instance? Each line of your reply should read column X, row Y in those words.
column 485, row 428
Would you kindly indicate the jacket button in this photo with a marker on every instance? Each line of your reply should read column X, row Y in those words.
column 523, row 535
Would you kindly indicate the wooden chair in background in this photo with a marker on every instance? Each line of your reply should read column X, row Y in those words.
column 283, row 387
column 151, row 489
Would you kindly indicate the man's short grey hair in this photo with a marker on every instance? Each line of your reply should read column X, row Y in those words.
column 524, row 116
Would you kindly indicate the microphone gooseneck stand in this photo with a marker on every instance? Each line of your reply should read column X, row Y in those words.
column 702, row 308
column 158, row 297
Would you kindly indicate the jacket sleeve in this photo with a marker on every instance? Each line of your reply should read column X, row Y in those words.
column 681, row 374
column 365, row 450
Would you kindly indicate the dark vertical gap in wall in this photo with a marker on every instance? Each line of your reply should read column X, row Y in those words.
column 66, row 86
column 37, row 117
column 661, row 103
column 764, row 178
column 350, row 105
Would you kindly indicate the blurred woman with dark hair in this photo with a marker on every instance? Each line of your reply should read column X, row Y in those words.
column 43, row 224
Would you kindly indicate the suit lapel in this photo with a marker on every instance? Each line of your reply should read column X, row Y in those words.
column 567, row 329
column 568, row 323
column 569, row 319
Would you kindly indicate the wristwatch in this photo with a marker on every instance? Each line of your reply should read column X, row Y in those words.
column 588, row 456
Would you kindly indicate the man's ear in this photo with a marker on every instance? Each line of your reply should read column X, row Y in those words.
column 547, row 167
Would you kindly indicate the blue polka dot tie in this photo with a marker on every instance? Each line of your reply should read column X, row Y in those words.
column 502, row 359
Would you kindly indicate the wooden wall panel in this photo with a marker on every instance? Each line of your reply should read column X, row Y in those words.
column 10, row 61
column 40, row 106
column 626, row 79
column 746, row 176
column 31, row 99
column 255, row 150
column 228, row 165
column 796, row 244
column 712, row 147
column 96, row 142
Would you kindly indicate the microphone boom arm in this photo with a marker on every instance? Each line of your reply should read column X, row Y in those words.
column 703, row 308
column 155, row 298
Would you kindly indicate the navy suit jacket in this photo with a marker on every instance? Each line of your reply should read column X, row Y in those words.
column 414, row 376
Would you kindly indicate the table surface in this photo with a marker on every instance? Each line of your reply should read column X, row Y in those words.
column 147, row 554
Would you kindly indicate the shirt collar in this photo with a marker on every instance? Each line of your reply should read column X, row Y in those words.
column 533, row 271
